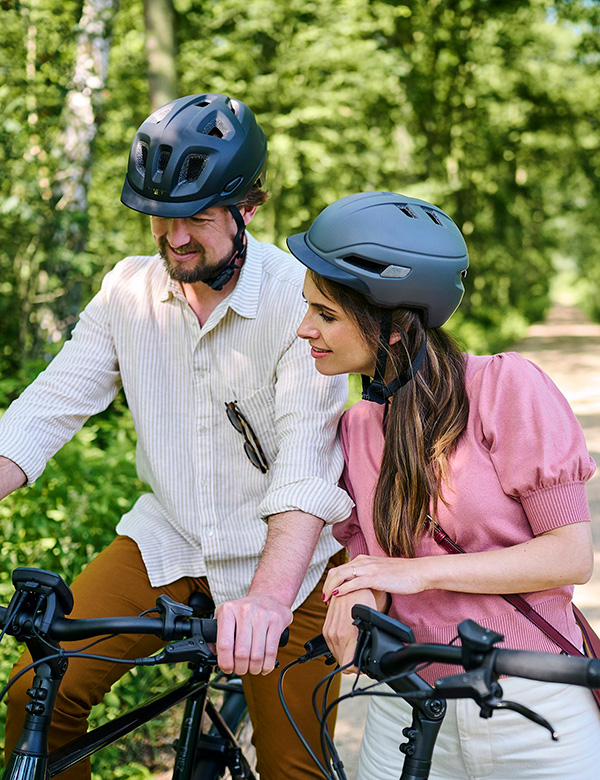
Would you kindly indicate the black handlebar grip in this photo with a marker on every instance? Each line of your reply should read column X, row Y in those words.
column 209, row 632
column 560, row 668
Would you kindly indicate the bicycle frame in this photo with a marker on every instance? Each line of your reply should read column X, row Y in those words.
column 223, row 749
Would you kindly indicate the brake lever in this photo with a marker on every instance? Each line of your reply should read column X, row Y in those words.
column 480, row 685
column 526, row 713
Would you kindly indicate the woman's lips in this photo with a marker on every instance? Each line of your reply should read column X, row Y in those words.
column 319, row 353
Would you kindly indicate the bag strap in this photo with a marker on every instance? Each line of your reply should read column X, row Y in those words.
column 518, row 602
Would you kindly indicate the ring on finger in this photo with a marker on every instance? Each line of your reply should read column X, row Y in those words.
column 354, row 574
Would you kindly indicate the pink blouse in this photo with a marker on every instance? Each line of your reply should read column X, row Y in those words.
column 519, row 469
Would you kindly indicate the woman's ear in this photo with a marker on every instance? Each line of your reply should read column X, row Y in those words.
column 395, row 337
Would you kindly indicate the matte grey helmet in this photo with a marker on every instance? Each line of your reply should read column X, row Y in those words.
column 395, row 250
column 196, row 152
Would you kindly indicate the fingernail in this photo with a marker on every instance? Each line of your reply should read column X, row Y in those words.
column 323, row 597
column 335, row 592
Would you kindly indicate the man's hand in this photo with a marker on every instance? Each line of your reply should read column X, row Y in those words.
column 248, row 633
column 11, row 476
column 249, row 629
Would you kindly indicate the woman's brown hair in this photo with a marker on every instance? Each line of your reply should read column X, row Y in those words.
column 424, row 422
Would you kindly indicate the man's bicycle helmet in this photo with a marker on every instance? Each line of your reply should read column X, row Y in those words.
column 395, row 250
column 196, row 152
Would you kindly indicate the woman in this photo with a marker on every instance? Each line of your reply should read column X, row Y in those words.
column 487, row 446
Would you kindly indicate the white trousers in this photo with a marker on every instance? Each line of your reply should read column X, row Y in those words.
column 503, row 747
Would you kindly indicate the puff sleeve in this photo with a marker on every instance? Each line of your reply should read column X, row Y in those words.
column 535, row 442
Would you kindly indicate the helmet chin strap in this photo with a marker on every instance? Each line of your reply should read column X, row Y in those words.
column 376, row 390
column 228, row 268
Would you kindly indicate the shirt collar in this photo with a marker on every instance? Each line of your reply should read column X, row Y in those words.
column 245, row 295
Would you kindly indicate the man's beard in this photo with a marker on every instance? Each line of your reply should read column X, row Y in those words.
column 200, row 272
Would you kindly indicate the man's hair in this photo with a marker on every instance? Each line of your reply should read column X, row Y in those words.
column 256, row 197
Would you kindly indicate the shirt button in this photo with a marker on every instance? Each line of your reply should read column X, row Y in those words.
column 210, row 533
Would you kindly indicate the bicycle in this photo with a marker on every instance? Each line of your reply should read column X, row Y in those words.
column 207, row 746
column 387, row 652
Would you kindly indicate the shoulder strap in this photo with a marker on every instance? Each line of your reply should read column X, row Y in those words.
column 518, row 602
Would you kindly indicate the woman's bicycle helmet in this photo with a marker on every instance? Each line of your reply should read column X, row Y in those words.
column 395, row 250
column 196, row 152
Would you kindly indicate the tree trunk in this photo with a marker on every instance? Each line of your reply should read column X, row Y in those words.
column 79, row 120
column 161, row 50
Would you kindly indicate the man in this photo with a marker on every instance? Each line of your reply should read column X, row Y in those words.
column 234, row 426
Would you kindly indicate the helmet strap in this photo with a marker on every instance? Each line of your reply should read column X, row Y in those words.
column 229, row 267
column 376, row 390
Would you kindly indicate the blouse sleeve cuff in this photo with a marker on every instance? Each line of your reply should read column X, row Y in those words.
column 17, row 446
column 356, row 545
column 314, row 496
column 556, row 506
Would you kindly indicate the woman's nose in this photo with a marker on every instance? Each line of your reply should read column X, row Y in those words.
column 306, row 330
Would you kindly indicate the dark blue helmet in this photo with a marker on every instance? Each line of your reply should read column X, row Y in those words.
column 196, row 152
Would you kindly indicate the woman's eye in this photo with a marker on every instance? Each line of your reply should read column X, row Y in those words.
column 326, row 317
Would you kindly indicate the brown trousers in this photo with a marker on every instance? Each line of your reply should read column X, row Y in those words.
column 116, row 583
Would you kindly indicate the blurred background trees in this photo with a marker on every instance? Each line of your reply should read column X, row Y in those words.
column 489, row 108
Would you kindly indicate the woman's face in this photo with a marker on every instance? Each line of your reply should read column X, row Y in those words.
column 337, row 345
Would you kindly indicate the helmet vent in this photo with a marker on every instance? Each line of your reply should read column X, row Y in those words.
column 407, row 211
column 163, row 160
column 160, row 114
column 141, row 156
column 192, row 167
column 362, row 263
column 434, row 217
column 203, row 103
column 216, row 128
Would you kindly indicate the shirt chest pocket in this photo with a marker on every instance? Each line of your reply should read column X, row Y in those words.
column 258, row 410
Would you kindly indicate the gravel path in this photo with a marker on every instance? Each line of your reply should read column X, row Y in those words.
column 567, row 347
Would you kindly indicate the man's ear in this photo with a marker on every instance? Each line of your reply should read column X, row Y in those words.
column 247, row 213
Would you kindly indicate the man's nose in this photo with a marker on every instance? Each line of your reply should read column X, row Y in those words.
column 178, row 233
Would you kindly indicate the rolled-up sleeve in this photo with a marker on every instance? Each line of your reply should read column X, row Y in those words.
column 80, row 381
column 308, row 407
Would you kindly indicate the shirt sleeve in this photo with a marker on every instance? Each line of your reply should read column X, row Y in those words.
column 309, row 461
column 535, row 442
column 80, row 381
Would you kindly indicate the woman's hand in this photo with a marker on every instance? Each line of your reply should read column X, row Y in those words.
column 339, row 631
column 386, row 575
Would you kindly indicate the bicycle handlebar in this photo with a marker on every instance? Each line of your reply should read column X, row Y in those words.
column 548, row 667
column 36, row 616
column 69, row 629
column 390, row 649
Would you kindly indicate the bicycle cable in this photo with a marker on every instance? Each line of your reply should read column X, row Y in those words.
column 293, row 723
column 143, row 661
